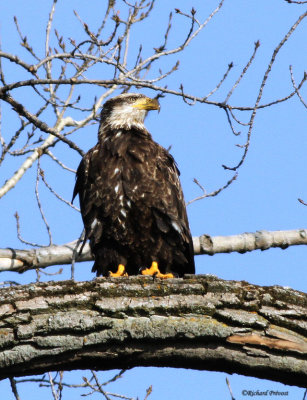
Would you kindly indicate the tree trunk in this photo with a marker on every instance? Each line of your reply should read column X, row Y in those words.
column 198, row 322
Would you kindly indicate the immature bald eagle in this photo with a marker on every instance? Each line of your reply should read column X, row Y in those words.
column 130, row 196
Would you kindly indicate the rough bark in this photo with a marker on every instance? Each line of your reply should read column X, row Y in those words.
column 198, row 322
column 22, row 260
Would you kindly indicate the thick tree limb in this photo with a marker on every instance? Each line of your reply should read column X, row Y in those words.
column 198, row 322
column 22, row 260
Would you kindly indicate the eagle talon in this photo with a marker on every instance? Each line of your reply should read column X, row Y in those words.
column 155, row 272
column 121, row 271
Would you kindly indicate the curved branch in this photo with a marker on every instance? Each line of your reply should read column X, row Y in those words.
column 198, row 322
column 23, row 260
column 144, row 84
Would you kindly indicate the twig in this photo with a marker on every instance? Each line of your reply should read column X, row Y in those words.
column 54, row 158
column 230, row 66
column 296, row 2
column 230, row 391
column 236, row 119
column 76, row 253
column 10, row 283
column 166, row 35
column 302, row 202
column 115, row 377
column 269, row 68
column 47, row 48
column 257, row 44
column 212, row 194
column 14, row 388
column 148, row 392
column 16, row 215
column 180, row 47
column 38, row 174
column 42, row 175
column 296, row 88
column 24, row 41
column 53, row 391
column 99, row 386
column 59, row 272
column 230, row 123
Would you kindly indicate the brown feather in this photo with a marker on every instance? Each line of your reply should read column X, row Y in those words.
column 132, row 203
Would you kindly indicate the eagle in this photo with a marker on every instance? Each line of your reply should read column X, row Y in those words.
column 131, row 198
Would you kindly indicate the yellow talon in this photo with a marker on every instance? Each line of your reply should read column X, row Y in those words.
column 154, row 271
column 121, row 271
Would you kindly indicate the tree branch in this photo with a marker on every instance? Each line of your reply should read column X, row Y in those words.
column 198, row 322
column 23, row 260
column 260, row 240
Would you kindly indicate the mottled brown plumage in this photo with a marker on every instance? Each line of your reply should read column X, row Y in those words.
column 130, row 195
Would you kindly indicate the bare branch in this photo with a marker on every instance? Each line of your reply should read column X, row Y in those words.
column 230, row 66
column 51, row 155
column 230, row 122
column 144, row 84
column 296, row 88
column 14, row 138
column 179, row 48
column 16, row 215
column 14, row 388
column 42, row 125
column 24, row 40
column 23, row 260
column 212, row 194
column 40, row 173
column 257, row 44
column 269, row 68
column 53, row 390
column 53, row 133
column 230, row 391
column 260, row 240
column 296, row 2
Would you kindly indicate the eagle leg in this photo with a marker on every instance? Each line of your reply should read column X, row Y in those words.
column 121, row 271
column 154, row 271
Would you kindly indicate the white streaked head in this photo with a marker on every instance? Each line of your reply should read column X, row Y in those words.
column 127, row 110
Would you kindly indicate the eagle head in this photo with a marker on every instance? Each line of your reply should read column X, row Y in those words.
column 127, row 110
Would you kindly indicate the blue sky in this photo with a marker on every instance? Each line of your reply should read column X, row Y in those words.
column 264, row 196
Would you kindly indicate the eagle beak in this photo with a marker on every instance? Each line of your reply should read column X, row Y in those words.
column 147, row 103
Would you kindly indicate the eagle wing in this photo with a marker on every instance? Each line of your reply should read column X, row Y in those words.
column 157, row 188
column 89, row 187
